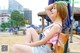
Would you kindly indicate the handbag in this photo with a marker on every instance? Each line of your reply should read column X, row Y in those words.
column 61, row 41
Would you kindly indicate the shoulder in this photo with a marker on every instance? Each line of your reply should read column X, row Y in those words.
column 56, row 27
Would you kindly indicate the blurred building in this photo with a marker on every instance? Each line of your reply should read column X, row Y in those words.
column 3, row 11
column 4, row 17
column 14, row 5
column 28, row 15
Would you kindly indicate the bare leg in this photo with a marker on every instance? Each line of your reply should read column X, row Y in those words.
column 21, row 49
column 31, row 35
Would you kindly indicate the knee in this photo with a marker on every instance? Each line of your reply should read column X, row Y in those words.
column 30, row 29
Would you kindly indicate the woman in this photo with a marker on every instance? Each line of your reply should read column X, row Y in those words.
column 57, row 12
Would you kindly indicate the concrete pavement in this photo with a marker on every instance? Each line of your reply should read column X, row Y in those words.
column 74, row 47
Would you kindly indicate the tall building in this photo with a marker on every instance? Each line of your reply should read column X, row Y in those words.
column 28, row 15
column 14, row 5
column 4, row 17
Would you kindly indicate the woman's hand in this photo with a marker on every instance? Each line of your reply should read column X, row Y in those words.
column 49, row 7
column 48, row 10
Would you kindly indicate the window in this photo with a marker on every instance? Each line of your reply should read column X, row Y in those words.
column 4, row 48
column 7, row 18
column 2, row 20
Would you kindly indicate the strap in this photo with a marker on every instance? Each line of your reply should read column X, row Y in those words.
column 58, row 34
column 59, row 25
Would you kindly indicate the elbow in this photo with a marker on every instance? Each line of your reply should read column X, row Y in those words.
column 46, row 9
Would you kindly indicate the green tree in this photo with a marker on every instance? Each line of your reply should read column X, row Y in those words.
column 4, row 25
column 11, row 22
column 18, row 18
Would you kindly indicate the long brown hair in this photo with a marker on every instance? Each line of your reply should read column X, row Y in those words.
column 62, row 9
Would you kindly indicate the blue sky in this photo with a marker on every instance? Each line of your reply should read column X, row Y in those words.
column 34, row 5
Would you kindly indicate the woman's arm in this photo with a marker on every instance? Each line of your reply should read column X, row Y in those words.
column 48, row 10
column 54, row 29
column 49, row 7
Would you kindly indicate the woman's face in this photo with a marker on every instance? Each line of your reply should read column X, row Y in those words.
column 54, row 11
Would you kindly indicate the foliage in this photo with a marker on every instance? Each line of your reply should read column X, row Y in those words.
column 18, row 18
column 5, row 25
column 11, row 22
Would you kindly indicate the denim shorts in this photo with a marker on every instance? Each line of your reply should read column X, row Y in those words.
column 42, row 49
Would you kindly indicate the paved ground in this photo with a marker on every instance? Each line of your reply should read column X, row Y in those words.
column 75, row 46
column 10, row 33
